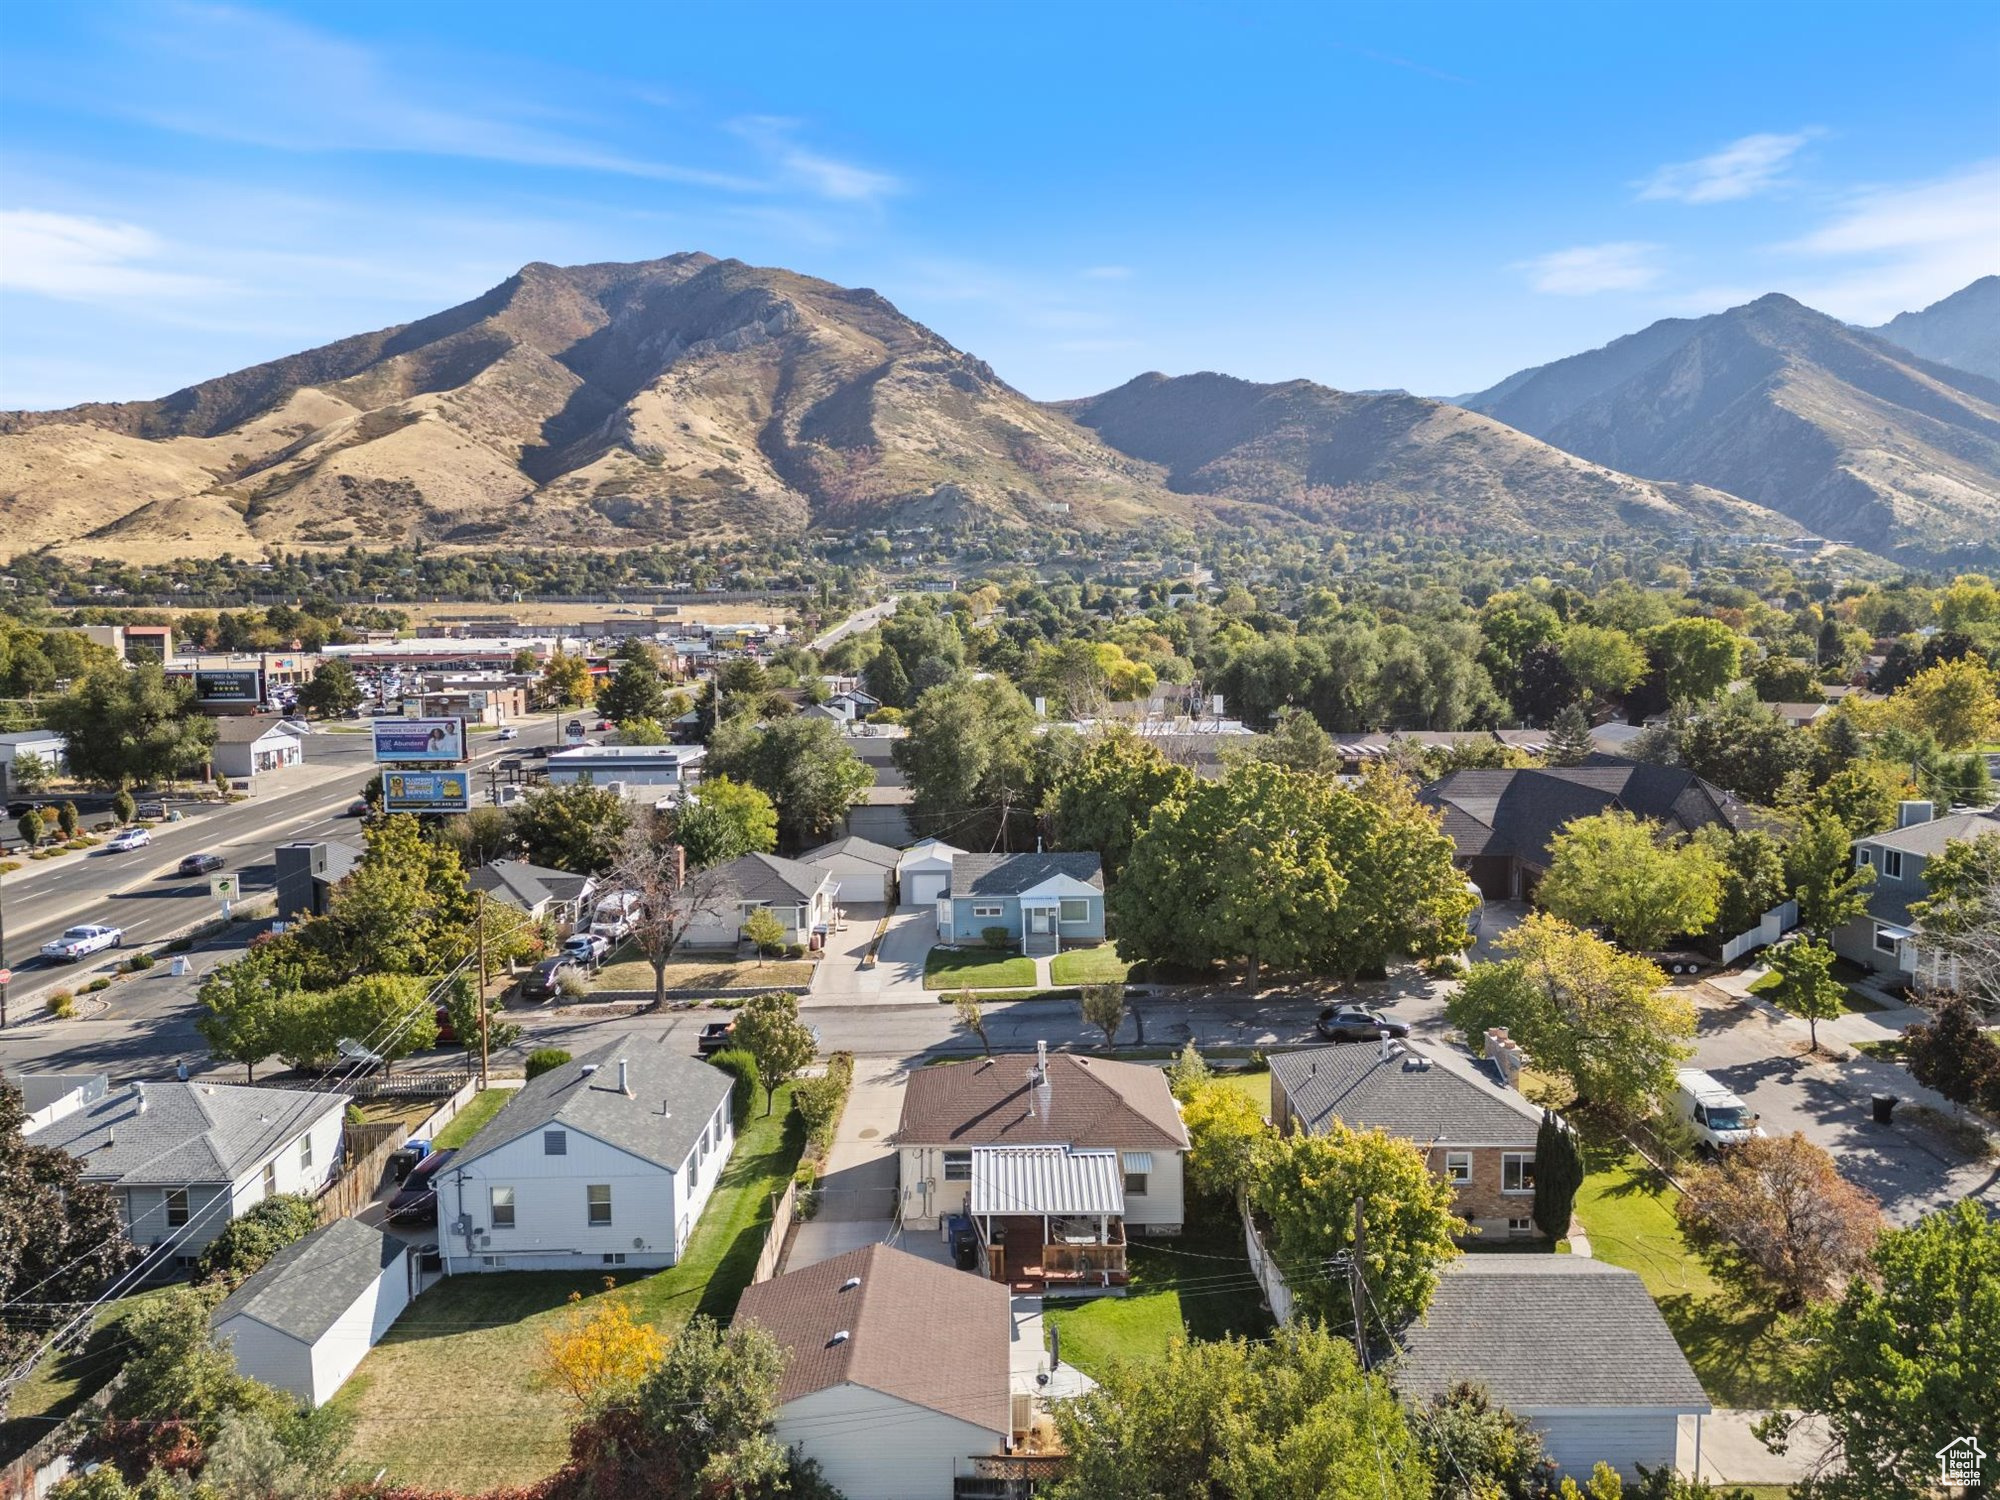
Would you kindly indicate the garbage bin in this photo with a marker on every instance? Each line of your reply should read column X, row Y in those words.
column 1885, row 1108
column 402, row 1162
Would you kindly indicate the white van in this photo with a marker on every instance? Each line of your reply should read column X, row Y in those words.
column 1717, row 1117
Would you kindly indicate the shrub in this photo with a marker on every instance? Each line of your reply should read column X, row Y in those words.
column 181, row 945
column 123, row 807
column 545, row 1060
column 61, row 1004
column 742, row 1067
column 66, row 819
column 246, row 1243
column 9, row 866
column 795, row 950
column 138, row 963
column 571, row 985
column 765, row 931
column 819, row 1101
column 996, row 937
column 99, row 983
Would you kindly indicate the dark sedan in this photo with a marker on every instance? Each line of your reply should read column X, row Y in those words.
column 198, row 864
column 416, row 1201
column 1357, row 1023
column 544, row 981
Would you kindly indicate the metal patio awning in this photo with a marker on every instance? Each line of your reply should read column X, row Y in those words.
column 1045, row 1180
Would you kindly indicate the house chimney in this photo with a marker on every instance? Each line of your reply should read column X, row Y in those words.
column 1042, row 1080
column 1910, row 814
column 624, row 1085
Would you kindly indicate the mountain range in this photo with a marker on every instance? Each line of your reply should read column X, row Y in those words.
column 616, row 405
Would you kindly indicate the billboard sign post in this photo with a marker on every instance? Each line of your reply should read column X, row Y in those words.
column 426, row 791
column 244, row 686
column 225, row 887
column 423, row 742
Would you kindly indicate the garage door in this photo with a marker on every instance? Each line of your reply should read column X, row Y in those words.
column 923, row 888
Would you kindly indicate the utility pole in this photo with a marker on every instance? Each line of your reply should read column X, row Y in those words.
column 484, row 1029
column 6, row 974
column 1357, row 1286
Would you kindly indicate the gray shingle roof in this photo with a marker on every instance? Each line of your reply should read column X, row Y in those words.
column 305, row 1288
column 185, row 1133
column 769, row 877
column 247, row 729
column 1929, row 838
column 1446, row 1102
column 672, row 1100
column 1545, row 1332
column 1011, row 874
column 854, row 847
column 526, row 884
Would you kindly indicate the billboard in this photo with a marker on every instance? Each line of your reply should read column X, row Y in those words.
column 436, row 742
column 231, row 685
column 426, row 791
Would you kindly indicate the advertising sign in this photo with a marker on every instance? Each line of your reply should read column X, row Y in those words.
column 426, row 791
column 228, row 686
column 223, row 887
column 435, row 742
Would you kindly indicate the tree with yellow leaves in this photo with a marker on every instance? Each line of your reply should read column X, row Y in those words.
column 1954, row 702
column 597, row 1354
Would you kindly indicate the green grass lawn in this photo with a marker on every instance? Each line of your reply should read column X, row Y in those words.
column 480, row 1108
column 1727, row 1330
column 1197, row 1286
column 980, row 968
column 1099, row 965
column 473, row 1342
column 1253, row 1084
column 1853, row 1001
column 62, row 1383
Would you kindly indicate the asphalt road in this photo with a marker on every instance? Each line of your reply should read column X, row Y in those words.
column 860, row 620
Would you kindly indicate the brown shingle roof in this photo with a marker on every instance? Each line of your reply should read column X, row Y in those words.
column 924, row 1333
column 1092, row 1102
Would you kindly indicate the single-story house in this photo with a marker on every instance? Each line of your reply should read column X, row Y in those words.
column 1503, row 823
column 248, row 747
column 896, row 1376
column 50, row 748
column 864, row 872
column 799, row 895
column 606, row 1161
column 853, row 704
column 183, row 1159
column 1886, row 937
column 535, row 889
column 313, row 1311
column 1041, row 901
column 657, row 768
column 1801, row 715
column 1061, row 1154
column 307, row 872
column 923, row 871
column 1572, row 1345
column 1475, row 1133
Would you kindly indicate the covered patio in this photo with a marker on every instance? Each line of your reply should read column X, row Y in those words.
column 1049, row 1218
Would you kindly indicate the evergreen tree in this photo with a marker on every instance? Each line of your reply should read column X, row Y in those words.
column 1569, row 738
column 1558, row 1174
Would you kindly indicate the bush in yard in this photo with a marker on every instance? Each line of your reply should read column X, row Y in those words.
column 1188, row 1072
column 138, row 963
column 61, row 1004
column 597, row 1354
column 996, row 937
column 571, row 985
column 765, row 931
column 99, row 983
column 545, row 1060
column 1223, row 1130
column 30, row 826
column 742, row 1067
column 245, row 1244
column 1782, row 1203
column 1487, row 1449
column 819, row 1101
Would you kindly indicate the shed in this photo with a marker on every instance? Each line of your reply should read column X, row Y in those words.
column 924, row 871
column 864, row 871
column 317, row 1307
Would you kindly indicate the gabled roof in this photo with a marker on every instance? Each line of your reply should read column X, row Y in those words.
column 853, row 847
column 1929, row 838
column 768, row 877
column 673, row 1098
column 1091, row 1102
column 306, row 1287
column 921, row 1332
column 1545, row 1333
column 526, row 885
column 180, row 1134
column 1418, row 1095
column 1011, row 874
column 924, row 850
column 248, row 729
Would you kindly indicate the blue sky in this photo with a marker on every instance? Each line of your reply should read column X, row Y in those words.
column 1427, row 196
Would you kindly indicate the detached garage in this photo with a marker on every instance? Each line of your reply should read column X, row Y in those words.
column 864, row 872
column 924, row 872
column 305, row 1320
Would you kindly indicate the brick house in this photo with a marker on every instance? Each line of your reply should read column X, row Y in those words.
column 1474, row 1132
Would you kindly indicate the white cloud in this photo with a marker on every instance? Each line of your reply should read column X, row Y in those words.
column 820, row 174
column 1583, row 270
column 1742, row 169
column 76, row 258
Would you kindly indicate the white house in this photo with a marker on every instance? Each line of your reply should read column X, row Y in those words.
column 799, row 895
column 183, row 1159
column 657, row 768
column 607, row 1161
column 864, row 872
column 248, row 747
column 1573, row 1346
column 51, row 749
column 923, row 872
column 309, row 1315
column 897, row 1376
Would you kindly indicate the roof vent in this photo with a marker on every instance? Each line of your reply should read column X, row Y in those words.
column 139, row 1093
column 624, row 1083
column 588, row 1069
column 839, row 1338
column 850, row 1284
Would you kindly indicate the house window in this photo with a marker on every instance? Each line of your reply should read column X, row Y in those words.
column 1517, row 1172
column 1138, row 1166
column 270, row 1179
column 1074, row 910
column 992, row 910
column 555, row 1143
column 177, row 1207
column 503, row 1208
column 1885, row 940
column 599, row 1196
column 1864, row 857
column 305, row 1153
column 1520, row 1226
column 958, row 1166
column 1892, row 863
column 1458, row 1167
column 615, row 1258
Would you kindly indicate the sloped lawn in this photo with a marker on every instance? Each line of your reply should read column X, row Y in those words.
column 977, row 968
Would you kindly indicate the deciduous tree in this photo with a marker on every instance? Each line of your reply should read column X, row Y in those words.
column 971, row 758
column 1616, row 871
column 968, row 1016
column 576, row 826
column 769, row 1029
column 1955, row 702
column 1830, row 888
column 131, row 725
column 1107, row 793
column 332, row 691
column 1806, row 986
column 1696, row 656
column 1103, row 1006
column 1953, row 1054
column 665, row 898
column 726, row 820
column 597, row 1353
column 801, row 764
column 1224, row 1128
column 1781, row 1202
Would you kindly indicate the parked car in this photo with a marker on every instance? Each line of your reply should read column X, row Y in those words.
column 1357, row 1023
column 354, row 1055
column 1716, row 1116
column 603, row 724
column 592, row 947
column 125, row 842
column 198, row 864
column 715, row 1037
column 416, row 1201
column 78, row 943
column 544, row 981
column 509, row 733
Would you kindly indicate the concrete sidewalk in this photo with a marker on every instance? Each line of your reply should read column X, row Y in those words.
column 1731, row 1453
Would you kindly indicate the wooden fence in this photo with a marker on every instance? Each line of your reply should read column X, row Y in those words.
column 368, row 1151
column 782, row 1213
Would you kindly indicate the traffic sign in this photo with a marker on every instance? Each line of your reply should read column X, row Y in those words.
column 6, row 976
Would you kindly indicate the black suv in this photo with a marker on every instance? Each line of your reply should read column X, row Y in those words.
column 1357, row 1023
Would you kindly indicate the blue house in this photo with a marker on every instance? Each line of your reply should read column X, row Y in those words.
column 1044, row 901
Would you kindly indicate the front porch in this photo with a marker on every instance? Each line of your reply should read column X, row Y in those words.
column 1049, row 1220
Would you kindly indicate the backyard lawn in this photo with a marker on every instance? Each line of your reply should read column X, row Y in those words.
column 1253, row 1084
column 1099, row 965
column 473, row 1342
column 480, row 1108
column 1197, row 1286
column 62, row 1383
column 979, row 968
column 1727, row 1330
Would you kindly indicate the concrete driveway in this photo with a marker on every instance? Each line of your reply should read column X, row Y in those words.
column 898, row 975
column 857, row 1191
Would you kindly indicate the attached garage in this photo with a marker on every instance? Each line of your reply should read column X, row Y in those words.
column 924, row 872
column 864, row 872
